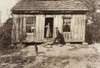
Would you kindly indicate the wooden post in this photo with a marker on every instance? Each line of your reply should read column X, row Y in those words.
column 36, row 49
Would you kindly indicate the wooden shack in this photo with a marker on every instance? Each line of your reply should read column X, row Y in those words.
column 31, row 17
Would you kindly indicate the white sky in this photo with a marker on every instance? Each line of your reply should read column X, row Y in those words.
column 5, row 7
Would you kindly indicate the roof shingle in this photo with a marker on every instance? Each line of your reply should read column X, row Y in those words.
column 49, row 5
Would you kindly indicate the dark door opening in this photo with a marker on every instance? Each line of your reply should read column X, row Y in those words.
column 48, row 28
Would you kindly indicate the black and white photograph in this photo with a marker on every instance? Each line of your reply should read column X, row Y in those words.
column 49, row 33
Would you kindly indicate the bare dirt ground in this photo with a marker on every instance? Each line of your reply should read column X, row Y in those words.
column 66, row 56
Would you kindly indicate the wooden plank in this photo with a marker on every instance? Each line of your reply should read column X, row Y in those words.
column 78, row 26
column 24, row 24
column 14, row 29
column 20, row 27
column 37, row 24
column 75, row 25
column 84, row 28
column 17, row 27
column 21, row 24
column 35, row 28
column 72, row 27
column 42, row 29
column 39, row 28
column 15, row 16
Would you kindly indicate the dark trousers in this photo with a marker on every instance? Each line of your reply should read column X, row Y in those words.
column 60, row 39
column 57, row 38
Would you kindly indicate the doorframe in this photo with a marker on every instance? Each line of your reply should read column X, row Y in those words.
column 49, row 16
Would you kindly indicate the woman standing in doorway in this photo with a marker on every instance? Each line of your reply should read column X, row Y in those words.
column 48, row 31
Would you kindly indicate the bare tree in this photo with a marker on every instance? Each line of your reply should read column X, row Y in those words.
column 94, row 28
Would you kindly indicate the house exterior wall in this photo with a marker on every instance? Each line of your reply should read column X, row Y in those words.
column 78, row 28
column 77, row 33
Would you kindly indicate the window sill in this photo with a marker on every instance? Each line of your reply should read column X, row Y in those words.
column 30, row 33
column 66, row 32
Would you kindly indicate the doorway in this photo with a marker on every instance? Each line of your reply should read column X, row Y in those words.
column 48, row 33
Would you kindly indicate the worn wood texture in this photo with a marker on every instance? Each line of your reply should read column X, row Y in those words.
column 14, row 30
column 19, row 27
column 40, row 22
column 77, row 33
column 78, row 28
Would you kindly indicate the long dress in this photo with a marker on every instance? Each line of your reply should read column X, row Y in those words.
column 48, row 31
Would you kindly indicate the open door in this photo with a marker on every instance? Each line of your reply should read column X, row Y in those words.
column 48, row 28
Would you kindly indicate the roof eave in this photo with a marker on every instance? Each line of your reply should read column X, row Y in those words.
column 50, row 10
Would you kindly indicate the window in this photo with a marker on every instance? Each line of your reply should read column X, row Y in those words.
column 30, row 24
column 66, row 24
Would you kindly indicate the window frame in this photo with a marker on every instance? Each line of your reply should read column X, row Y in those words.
column 30, row 24
column 67, row 17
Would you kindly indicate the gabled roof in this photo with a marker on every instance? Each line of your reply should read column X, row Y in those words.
column 49, row 5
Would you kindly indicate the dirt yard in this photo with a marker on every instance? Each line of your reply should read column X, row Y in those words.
column 57, row 56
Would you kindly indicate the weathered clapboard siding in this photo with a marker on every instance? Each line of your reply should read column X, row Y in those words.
column 84, row 27
column 20, row 26
column 78, row 28
column 40, row 22
column 24, row 24
column 14, row 30
column 17, row 27
column 77, row 33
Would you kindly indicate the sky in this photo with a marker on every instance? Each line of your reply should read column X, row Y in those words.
column 5, row 7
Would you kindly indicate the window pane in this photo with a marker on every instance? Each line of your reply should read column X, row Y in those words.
column 66, row 24
column 29, row 29
column 30, row 20
column 30, row 24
